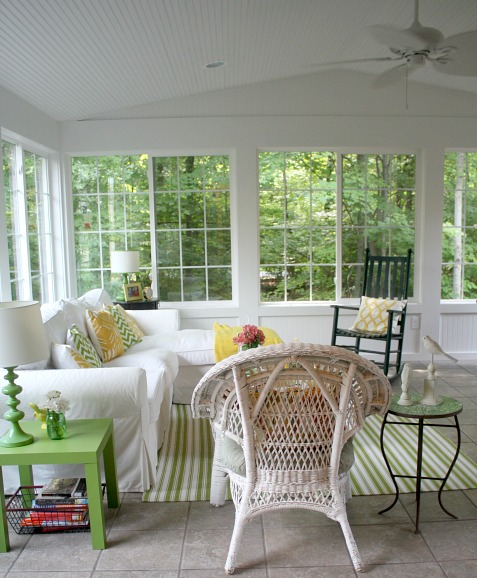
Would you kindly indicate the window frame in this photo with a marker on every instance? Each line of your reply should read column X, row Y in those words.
column 340, row 152
column 46, row 196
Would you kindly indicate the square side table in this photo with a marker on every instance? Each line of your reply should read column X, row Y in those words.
column 88, row 440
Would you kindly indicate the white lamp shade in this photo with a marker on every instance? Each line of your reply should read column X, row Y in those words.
column 22, row 335
column 124, row 261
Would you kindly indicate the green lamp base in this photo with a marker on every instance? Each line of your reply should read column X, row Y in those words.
column 15, row 436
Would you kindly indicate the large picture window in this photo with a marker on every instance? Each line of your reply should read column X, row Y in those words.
column 186, row 248
column 29, row 236
column 192, row 226
column 111, row 213
column 318, row 213
column 459, row 233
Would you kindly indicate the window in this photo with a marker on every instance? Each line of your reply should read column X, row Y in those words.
column 314, row 225
column 459, row 232
column 189, row 234
column 29, row 237
column 111, row 213
column 192, row 222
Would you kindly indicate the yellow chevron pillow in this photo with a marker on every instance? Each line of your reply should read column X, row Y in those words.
column 373, row 315
column 105, row 334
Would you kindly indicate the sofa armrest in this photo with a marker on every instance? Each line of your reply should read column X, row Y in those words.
column 152, row 321
column 92, row 393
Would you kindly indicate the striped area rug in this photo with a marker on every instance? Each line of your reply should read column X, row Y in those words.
column 185, row 460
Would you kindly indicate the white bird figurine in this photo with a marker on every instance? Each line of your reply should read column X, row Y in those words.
column 435, row 349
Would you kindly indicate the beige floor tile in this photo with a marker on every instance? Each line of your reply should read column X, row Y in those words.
column 152, row 516
column 465, row 569
column 208, row 549
column 58, row 552
column 391, row 544
column 142, row 550
column 454, row 540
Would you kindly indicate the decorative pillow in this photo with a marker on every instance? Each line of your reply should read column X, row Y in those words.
column 65, row 357
column 373, row 315
column 127, row 334
column 138, row 333
column 104, row 334
column 78, row 341
column 224, row 334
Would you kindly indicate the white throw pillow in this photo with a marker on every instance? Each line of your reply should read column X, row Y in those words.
column 373, row 315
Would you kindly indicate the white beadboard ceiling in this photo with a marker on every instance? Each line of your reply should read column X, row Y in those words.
column 77, row 59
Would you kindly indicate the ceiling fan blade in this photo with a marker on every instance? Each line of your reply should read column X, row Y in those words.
column 463, row 60
column 354, row 61
column 395, row 74
column 396, row 37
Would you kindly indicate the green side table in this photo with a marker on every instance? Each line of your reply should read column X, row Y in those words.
column 87, row 441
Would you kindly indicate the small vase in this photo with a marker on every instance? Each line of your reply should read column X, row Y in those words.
column 246, row 346
column 56, row 425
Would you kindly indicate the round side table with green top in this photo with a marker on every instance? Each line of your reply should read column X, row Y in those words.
column 421, row 415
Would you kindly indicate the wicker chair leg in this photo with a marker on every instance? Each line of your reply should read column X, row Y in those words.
column 234, row 544
column 218, row 487
column 351, row 544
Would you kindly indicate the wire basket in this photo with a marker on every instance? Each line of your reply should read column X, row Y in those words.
column 26, row 518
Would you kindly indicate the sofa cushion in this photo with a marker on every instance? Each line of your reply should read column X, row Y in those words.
column 161, row 368
column 65, row 357
column 104, row 334
column 79, row 341
column 75, row 313
column 192, row 346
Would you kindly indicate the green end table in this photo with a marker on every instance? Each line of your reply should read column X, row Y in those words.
column 87, row 441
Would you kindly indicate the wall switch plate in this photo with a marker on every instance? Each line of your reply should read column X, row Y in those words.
column 415, row 322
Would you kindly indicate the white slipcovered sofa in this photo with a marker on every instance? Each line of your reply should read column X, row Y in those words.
column 136, row 388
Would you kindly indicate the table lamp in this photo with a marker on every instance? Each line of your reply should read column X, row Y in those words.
column 124, row 262
column 22, row 341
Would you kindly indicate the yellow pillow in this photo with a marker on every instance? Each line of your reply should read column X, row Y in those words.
column 104, row 334
column 224, row 334
column 373, row 315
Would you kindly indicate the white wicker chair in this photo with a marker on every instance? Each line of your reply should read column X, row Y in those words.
column 281, row 416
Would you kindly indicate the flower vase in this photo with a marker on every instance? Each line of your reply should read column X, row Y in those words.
column 56, row 425
column 246, row 346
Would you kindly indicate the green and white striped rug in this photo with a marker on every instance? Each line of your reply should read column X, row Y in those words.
column 185, row 460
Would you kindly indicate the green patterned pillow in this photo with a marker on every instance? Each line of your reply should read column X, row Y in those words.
column 127, row 334
column 78, row 340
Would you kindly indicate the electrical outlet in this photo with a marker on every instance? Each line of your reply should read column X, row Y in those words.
column 415, row 322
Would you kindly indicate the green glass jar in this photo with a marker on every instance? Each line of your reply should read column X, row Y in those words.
column 56, row 425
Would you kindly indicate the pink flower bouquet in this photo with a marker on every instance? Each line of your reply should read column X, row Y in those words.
column 250, row 337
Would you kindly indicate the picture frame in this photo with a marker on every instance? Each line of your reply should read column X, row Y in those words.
column 133, row 292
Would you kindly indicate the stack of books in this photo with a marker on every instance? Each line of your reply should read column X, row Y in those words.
column 61, row 503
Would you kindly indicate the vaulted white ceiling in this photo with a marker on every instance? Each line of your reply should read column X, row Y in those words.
column 79, row 59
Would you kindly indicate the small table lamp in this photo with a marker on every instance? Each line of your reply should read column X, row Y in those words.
column 124, row 262
column 22, row 341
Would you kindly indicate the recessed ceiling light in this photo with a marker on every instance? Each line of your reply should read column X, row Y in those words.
column 215, row 64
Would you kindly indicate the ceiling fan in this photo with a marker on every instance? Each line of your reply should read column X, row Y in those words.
column 418, row 45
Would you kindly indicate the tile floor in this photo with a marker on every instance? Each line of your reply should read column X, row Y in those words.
column 190, row 540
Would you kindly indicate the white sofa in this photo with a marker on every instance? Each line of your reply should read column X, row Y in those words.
column 136, row 388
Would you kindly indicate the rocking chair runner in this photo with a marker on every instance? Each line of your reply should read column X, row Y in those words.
column 283, row 418
column 384, row 277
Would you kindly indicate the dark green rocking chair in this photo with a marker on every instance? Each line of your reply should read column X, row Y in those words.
column 384, row 277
